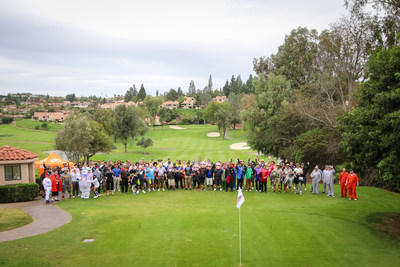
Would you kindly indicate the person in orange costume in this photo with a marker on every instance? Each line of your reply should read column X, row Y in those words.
column 342, row 182
column 352, row 183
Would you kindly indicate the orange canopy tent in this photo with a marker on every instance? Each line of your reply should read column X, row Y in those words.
column 51, row 161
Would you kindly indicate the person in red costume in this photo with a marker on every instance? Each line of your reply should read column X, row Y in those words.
column 264, row 173
column 352, row 183
column 56, row 185
column 342, row 182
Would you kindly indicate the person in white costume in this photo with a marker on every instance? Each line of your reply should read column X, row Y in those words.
column 47, row 188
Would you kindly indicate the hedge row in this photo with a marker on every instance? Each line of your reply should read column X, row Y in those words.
column 18, row 193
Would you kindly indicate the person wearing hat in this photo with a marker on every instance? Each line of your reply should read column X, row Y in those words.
column 352, row 183
column 298, row 174
column 316, row 178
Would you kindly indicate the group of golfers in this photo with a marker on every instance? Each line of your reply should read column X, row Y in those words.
column 200, row 175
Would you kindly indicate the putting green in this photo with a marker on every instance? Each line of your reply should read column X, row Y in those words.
column 186, row 228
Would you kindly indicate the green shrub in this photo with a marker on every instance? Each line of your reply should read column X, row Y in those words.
column 18, row 193
column 37, row 127
column 7, row 120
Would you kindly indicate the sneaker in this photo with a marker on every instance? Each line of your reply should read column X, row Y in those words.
column 143, row 192
column 252, row 188
column 215, row 189
column 158, row 190
column 174, row 189
column 153, row 189
column 301, row 193
column 333, row 196
column 355, row 199
column 163, row 189
column 220, row 189
column 148, row 189
column 73, row 196
column 247, row 191
column 305, row 189
column 186, row 188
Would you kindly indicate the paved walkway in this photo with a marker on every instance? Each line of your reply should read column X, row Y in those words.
column 45, row 218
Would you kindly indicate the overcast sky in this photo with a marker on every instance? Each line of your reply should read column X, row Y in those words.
column 101, row 47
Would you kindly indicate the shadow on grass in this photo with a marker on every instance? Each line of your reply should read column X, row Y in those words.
column 386, row 223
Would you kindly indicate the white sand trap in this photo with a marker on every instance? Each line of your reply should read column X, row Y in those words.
column 239, row 146
column 214, row 134
column 176, row 127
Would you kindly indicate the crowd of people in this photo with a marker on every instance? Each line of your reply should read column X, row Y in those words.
column 202, row 175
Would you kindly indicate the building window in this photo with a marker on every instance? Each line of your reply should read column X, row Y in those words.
column 12, row 172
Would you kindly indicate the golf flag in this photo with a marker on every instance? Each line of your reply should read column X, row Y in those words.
column 240, row 199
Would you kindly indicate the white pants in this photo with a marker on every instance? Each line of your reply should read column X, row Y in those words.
column 209, row 181
column 48, row 193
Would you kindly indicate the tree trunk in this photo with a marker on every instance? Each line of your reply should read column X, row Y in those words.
column 223, row 135
column 125, row 147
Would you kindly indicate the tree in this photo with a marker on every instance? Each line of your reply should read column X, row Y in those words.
column 213, row 107
column 142, row 93
column 128, row 123
column 371, row 131
column 181, row 99
column 210, row 85
column 223, row 119
column 192, row 88
column 226, row 89
column 74, row 137
column 145, row 142
column 152, row 105
column 101, row 142
column 179, row 92
column 106, row 118
column 130, row 93
column 164, row 116
column 248, row 101
column 157, row 93
column 70, row 97
column 204, row 99
column 249, row 84
column 172, row 95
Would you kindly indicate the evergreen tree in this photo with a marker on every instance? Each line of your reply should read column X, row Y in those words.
column 226, row 89
column 142, row 93
column 210, row 84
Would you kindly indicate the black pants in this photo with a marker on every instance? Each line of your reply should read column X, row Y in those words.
column 110, row 184
column 196, row 182
column 239, row 183
column 178, row 179
column 229, row 185
column 124, row 186
column 263, row 186
column 75, row 188
column 258, row 187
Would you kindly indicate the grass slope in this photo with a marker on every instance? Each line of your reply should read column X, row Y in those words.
column 185, row 228
column 13, row 218
column 31, row 124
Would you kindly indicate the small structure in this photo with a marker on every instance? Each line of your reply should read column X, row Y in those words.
column 220, row 99
column 189, row 103
column 17, row 166
column 50, row 116
column 170, row 104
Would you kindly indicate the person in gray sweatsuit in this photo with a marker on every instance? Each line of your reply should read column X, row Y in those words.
column 316, row 178
column 329, row 180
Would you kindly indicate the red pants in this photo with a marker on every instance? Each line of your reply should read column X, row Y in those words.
column 343, row 189
column 352, row 190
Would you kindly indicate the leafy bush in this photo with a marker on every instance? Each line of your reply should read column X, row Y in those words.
column 37, row 127
column 44, row 125
column 18, row 193
column 6, row 120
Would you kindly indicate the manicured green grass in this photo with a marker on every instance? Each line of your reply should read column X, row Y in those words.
column 188, row 144
column 187, row 112
column 31, row 124
column 186, row 228
column 13, row 218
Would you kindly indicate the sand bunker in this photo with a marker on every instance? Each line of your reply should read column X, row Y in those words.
column 214, row 134
column 239, row 146
column 176, row 127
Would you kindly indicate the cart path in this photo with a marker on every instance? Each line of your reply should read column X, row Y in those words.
column 45, row 218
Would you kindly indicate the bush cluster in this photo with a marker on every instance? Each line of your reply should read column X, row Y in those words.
column 18, row 193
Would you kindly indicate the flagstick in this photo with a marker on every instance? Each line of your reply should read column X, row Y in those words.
column 240, row 241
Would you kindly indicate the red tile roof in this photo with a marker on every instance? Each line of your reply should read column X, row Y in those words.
column 13, row 153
